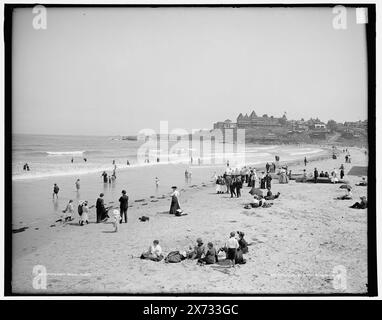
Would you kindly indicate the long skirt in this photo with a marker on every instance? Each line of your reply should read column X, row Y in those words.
column 174, row 205
column 262, row 184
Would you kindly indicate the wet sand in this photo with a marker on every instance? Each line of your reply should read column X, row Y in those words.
column 295, row 244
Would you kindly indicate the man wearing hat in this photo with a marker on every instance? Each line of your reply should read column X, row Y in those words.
column 123, row 206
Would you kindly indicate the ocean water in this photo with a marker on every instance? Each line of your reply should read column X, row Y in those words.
column 49, row 159
column 50, row 156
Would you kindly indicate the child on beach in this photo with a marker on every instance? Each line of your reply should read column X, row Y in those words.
column 84, row 217
column 116, row 219
column 69, row 210
column 232, row 245
column 154, row 253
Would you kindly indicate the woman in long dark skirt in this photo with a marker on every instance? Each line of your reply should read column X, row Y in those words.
column 174, row 201
column 262, row 181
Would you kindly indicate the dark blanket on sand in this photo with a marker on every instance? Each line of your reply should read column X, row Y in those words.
column 320, row 180
column 358, row 171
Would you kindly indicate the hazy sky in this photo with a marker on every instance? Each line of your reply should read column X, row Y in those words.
column 116, row 71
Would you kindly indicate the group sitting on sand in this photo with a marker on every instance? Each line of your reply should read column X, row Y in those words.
column 234, row 249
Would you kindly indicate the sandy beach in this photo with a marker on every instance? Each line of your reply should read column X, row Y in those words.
column 295, row 244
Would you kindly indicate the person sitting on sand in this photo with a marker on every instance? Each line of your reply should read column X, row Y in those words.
column 347, row 196
column 199, row 250
column 322, row 174
column 326, row 174
column 363, row 183
column 211, row 255
column 270, row 195
column 232, row 245
column 256, row 202
column 243, row 245
column 266, row 204
column 360, row 205
column 84, row 218
column 69, row 210
column 154, row 253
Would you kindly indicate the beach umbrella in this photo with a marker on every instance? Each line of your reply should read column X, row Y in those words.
column 256, row 191
column 345, row 186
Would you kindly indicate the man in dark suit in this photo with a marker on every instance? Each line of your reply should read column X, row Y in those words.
column 123, row 205
column 315, row 175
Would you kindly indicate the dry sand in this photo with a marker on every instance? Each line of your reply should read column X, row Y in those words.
column 295, row 244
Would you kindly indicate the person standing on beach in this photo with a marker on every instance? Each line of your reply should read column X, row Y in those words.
column 174, row 201
column 228, row 182
column 262, row 180
column 233, row 187
column 232, row 245
column 305, row 161
column 104, row 175
column 123, row 206
column 239, row 185
column 78, row 185
column 342, row 173
column 315, row 175
column 85, row 214
column 253, row 179
column 268, row 180
column 55, row 190
column 156, row 182
column 100, row 206
column 72, row 160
